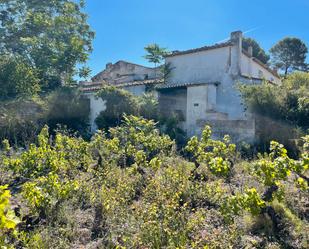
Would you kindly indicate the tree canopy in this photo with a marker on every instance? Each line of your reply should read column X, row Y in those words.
column 258, row 52
column 289, row 54
column 155, row 54
column 52, row 36
column 17, row 78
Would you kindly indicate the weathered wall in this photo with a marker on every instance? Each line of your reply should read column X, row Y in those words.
column 136, row 90
column 97, row 105
column 239, row 130
column 222, row 65
column 201, row 67
column 199, row 106
column 123, row 71
column 251, row 68
column 196, row 106
column 174, row 102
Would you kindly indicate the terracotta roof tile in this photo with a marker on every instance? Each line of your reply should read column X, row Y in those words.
column 185, row 84
column 141, row 82
column 189, row 51
column 96, row 86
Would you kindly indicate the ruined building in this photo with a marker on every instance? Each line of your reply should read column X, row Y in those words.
column 201, row 88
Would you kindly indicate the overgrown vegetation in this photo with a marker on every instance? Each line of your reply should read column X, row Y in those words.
column 282, row 111
column 50, row 37
column 22, row 119
column 128, row 186
column 119, row 102
column 132, row 190
column 42, row 46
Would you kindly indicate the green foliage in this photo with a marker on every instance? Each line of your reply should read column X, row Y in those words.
column 289, row 54
column 219, row 156
column 46, row 192
column 280, row 110
column 20, row 120
column 17, row 78
column 148, row 106
column 166, row 70
column 7, row 216
column 272, row 171
column 67, row 108
column 129, row 189
column 135, row 141
column 8, row 220
column 275, row 168
column 155, row 53
column 118, row 102
column 170, row 126
column 258, row 52
column 52, row 36
column 66, row 156
column 249, row 201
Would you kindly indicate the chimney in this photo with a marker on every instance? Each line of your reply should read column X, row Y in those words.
column 250, row 51
column 236, row 39
column 108, row 65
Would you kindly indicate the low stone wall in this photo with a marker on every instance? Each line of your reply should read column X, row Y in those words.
column 239, row 130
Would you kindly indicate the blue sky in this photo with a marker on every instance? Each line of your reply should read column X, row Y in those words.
column 124, row 27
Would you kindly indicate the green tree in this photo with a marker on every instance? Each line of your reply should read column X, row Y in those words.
column 53, row 36
column 17, row 78
column 155, row 54
column 258, row 52
column 289, row 54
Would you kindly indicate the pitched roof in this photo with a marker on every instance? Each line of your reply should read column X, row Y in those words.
column 184, row 84
column 261, row 64
column 91, row 86
column 189, row 51
column 122, row 61
column 221, row 45
column 141, row 82
column 96, row 86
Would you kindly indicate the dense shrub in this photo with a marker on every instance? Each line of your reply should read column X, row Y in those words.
column 282, row 111
column 120, row 102
column 8, row 220
column 68, row 108
column 117, row 103
column 148, row 105
column 22, row 119
column 130, row 189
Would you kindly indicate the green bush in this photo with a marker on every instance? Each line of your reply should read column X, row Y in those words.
column 282, row 112
column 8, row 220
column 21, row 120
column 118, row 102
column 66, row 107
column 131, row 189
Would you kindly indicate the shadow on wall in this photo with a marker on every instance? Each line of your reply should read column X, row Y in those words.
column 268, row 129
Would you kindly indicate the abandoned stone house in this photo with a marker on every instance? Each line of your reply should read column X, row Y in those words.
column 201, row 88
